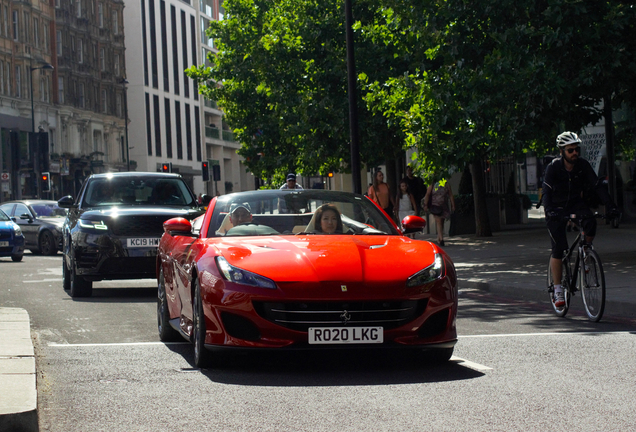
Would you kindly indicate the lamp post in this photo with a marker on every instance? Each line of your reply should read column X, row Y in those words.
column 124, row 81
column 36, row 164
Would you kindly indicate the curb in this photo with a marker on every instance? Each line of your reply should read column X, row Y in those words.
column 18, row 398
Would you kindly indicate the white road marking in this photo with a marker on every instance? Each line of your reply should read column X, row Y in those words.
column 42, row 280
column 544, row 334
column 472, row 365
column 58, row 345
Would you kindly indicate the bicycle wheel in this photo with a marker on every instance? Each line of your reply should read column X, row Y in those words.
column 592, row 283
column 565, row 282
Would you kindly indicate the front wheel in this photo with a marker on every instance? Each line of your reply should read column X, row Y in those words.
column 202, row 357
column 47, row 244
column 16, row 258
column 66, row 275
column 565, row 282
column 166, row 332
column 592, row 283
column 80, row 287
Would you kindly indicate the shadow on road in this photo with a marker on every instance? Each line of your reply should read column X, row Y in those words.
column 328, row 368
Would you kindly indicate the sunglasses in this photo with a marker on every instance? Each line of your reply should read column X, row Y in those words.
column 572, row 150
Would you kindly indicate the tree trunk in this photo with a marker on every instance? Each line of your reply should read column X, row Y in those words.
column 482, row 223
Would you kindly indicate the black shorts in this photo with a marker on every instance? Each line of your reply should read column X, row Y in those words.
column 558, row 233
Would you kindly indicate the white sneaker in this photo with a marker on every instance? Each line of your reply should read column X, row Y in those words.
column 559, row 299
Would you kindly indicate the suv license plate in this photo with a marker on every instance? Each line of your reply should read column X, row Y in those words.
column 345, row 335
column 142, row 242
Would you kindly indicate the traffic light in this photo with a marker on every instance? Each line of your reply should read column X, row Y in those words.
column 166, row 167
column 330, row 174
column 205, row 171
column 216, row 172
column 45, row 178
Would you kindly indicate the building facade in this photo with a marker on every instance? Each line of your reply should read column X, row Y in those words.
column 170, row 122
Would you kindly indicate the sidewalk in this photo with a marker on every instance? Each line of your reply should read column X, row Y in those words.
column 18, row 395
column 513, row 263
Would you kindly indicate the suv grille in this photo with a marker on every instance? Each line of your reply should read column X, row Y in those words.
column 301, row 316
column 139, row 226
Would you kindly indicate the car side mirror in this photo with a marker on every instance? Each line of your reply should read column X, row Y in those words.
column 413, row 224
column 66, row 202
column 177, row 226
column 205, row 200
column 26, row 216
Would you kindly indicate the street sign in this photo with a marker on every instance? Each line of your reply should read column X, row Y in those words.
column 5, row 176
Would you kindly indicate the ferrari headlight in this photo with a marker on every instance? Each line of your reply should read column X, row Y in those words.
column 97, row 225
column 16, row 230
column 429, row 274
column 244, row 277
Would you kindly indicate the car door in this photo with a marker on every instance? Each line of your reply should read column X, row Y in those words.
column 29, row 225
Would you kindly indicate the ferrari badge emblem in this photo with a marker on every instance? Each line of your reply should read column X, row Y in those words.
column 343, row 288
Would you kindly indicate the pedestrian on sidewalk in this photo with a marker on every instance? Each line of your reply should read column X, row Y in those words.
column 439, row 201
column 379, row 193
column 406, row 202
column 416, row 187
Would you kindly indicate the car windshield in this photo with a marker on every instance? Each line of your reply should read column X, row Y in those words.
column 48, row 210
column 297, row 212
column 4, row 217
column 138, row 191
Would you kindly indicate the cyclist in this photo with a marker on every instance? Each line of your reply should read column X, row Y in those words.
column 565, row 179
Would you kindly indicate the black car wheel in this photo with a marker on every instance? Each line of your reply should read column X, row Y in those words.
column 47, row 243
column 66, row 276
column 166, row 332
column 80, row 287
column 16, row 258
column 202, row 357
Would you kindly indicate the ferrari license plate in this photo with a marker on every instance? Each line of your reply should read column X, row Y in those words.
column 346, row 335
column 142, row 242
column 4, row 243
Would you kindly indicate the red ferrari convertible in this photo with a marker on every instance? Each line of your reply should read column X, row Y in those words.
column 308, row 269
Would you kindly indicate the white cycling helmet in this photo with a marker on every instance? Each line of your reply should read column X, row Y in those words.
column 567, row 138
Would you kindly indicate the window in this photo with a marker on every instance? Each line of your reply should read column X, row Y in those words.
column 57, row 3
column 119, row 105
column 221, row 10
column 18, row 82
column 100, row 14
column 5, row 20
column 36, row 32
column 116, row 64
column 104, row 102
column 7, row 77
column 15, row 25
column 80, row 49
column 45, row 37
column 82, row 101
column 27, row 34
column 58, row 42
column 42, row 84
column 60, row 90
column 102, row 59
column 1, row 77
column 115, row 22
column 78, row 8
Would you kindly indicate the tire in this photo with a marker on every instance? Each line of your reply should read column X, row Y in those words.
column 202, row 357
column 16, row 258
column 47, row 244
column 565, row 282
column 166, row 332
column 80, row 287
column 592, row 283
column 66, row 276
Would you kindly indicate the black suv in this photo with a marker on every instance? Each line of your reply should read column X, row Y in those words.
column 113, row 227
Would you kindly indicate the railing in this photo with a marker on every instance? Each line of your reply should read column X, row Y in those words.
column 228, row 136
column 210, row 104
column 211, row 132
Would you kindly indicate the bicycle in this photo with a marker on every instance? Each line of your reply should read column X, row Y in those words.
column 586, row 272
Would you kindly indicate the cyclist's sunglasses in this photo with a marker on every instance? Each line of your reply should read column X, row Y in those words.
column 572, row 150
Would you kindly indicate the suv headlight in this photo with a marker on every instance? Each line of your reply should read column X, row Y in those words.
column 89, row 224
column 244, row 277
column 429, row 274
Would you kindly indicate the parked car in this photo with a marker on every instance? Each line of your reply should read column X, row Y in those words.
column 114, row 225
column 41, row 223
column 11, row 238
column 335, row 273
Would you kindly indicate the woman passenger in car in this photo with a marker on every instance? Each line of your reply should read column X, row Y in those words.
column 328, row 220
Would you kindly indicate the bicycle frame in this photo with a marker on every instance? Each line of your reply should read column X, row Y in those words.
column 577, row 244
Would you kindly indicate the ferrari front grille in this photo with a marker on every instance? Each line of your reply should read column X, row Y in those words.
column 302, row 315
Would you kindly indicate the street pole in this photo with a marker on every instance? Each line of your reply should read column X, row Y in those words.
column 124, row 81
column 353, row 104
column 36, row 151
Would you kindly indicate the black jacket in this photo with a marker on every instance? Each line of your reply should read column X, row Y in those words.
column 563, row 189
